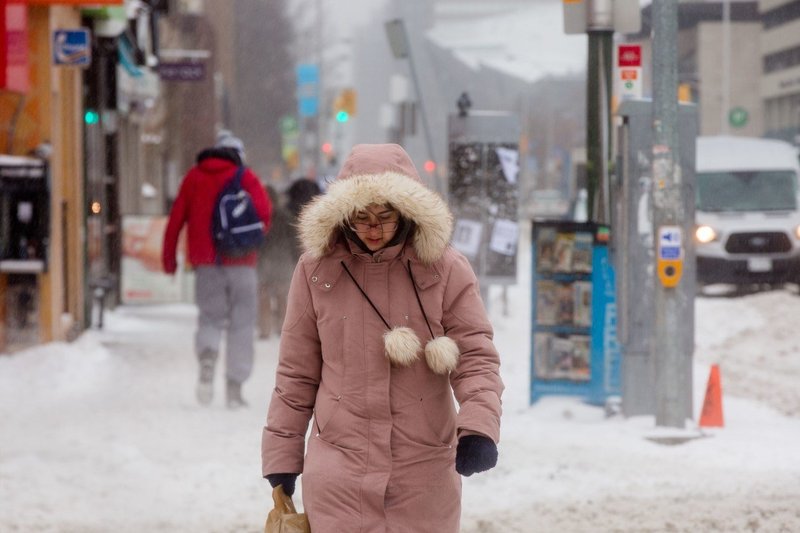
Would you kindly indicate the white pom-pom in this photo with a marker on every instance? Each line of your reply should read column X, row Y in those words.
column 442, row 354
column 402, row 346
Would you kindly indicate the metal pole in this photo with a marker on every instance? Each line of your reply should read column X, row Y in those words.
column 726, row 66
column 593, row 149
column 671, row 389
column 600, row 29
column 605, row 56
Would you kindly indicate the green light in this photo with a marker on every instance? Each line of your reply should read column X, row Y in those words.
column 91, row 116
column 342, row 116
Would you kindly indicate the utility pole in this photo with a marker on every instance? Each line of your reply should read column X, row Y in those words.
column 668, row 212
column 600, row 29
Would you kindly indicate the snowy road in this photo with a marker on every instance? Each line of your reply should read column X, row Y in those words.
column 756, row 340
column 104, row 435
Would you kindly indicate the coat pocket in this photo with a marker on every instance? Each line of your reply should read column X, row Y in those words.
column 424, row 420
column 440, row 414
column 324, row 410
column 337, row 426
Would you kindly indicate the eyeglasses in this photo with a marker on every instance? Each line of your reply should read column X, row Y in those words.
column 363, row 227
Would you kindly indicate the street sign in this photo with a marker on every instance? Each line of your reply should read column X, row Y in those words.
column 737, row 117
column 72, row 48
column 669, row 242
column 307, row 90
column 182, row 71
column 669, row 263
column 626, row 16
column 629, row 55
column 629, row 71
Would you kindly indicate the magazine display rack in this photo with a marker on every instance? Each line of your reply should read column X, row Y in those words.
column 574, row 350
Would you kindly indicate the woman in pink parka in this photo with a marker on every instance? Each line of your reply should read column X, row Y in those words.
column 386, row 343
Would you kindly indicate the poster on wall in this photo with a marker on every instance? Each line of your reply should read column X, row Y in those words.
column 143, row 280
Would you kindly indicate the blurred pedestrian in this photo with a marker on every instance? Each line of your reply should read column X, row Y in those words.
column 276, row 260
column 384, row 327
column 300, row 192
column 225, row 287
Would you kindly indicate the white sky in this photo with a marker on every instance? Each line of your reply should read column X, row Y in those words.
column 104, row 435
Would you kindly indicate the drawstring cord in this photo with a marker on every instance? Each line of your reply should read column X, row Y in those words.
column 365, row 295
column 413, row 285
column 419, row 301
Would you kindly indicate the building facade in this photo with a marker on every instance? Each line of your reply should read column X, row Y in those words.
column 42, row 286
column 69, row 138
column 724, row 83
column 780, row 59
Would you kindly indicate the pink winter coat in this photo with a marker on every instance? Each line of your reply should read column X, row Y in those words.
column 381, row 451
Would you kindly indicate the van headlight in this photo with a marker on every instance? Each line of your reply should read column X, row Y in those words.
column 705, row 234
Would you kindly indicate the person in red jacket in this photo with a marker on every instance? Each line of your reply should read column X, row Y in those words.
column 225, row 288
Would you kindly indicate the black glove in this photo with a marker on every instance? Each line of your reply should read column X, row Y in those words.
column 287, row 480
column 475, row 453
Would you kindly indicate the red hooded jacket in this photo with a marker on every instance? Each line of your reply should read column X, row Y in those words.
column 194, row 207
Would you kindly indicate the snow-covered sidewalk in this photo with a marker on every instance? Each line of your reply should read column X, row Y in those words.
column 104, row 434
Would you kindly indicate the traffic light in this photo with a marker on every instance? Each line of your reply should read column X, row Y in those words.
column 330, row 155
column 429, row 166
column 685, row 93
column 344, row 106
column 91, row 116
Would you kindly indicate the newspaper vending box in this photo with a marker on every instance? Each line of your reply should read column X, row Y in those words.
column 574, row 348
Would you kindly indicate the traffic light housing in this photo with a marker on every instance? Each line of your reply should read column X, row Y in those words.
column 344, row 106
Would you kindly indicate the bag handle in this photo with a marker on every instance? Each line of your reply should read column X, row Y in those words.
column 282, row 500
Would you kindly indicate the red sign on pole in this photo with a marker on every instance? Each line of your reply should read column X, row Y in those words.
column 629, row 55
column 14, row 47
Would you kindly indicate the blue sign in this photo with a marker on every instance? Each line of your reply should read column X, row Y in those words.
column 669, row 252
column 72, row 47
column 669, row 242
column 307, row 90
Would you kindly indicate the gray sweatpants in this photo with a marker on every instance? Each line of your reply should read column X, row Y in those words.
column 227, row 299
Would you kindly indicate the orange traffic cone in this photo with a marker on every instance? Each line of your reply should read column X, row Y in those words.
column 711, row 415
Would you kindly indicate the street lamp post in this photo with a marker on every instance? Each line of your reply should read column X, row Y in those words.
column 401, row 49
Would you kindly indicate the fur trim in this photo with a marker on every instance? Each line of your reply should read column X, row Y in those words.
column 321, row 219
column 402, row 346
column 442, row 354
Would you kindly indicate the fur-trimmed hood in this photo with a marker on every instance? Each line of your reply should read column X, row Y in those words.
column 380, row 174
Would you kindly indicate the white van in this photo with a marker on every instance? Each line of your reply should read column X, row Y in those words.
column 748, row 211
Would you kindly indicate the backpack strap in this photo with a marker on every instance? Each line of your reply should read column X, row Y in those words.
column 237, row 177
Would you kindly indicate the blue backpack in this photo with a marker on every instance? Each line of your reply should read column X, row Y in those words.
column 236, row 228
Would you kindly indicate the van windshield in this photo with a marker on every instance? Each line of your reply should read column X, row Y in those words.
column 774, row 190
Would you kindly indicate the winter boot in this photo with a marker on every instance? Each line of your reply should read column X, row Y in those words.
column 234, row 395
column 205, row 380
